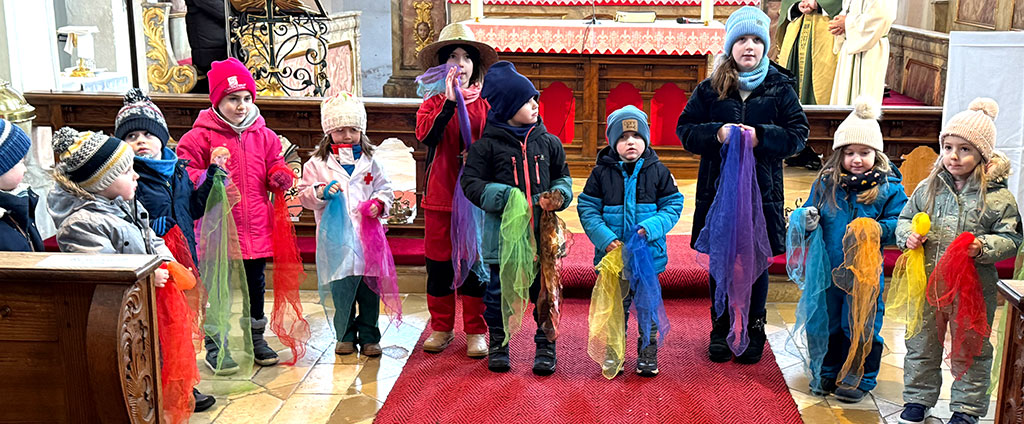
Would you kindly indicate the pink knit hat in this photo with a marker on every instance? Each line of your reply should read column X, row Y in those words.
column 228, row 76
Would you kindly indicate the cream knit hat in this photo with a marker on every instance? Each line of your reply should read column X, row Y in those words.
column 342, row 110
column 976, row 125
column 861, row 127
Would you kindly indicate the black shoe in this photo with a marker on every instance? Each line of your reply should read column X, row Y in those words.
column 203, row 402
column 718, row 348
column 827, row 386
column 262, row 352
column 227, row 365
column 813, row 164
column 962, row 418
column 913, row 413
column 755, row 349
column 544, row 359
column 847, row 394
column 497, row 355
column 647, row 358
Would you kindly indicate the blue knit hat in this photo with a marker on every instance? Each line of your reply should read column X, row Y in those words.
column 627, row 118
column 506, row 90
column 747, row 20
column 14, row 144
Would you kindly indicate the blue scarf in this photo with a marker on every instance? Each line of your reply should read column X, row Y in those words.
column 753, row 79
column 165, row 166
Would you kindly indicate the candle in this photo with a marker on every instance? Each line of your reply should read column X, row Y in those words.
column 707, row 11
column 476, row 9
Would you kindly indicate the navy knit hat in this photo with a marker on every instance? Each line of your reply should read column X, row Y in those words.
column 14, row 144
column 747, row 20
column 627, row 118
column 506, row 90
column 140, row 114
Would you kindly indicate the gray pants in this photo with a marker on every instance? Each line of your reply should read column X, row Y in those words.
column 922, row 376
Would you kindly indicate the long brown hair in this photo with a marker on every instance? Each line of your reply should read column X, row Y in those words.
column 832, row 171
column 726, row 76
column 323, row 150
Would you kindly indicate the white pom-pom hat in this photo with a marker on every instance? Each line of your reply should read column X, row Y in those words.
column 976, row 125
column 861, row 127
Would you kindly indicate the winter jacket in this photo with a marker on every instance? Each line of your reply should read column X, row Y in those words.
column 953, row 213
column 774, row 111
column 367, row 181
column 885, row 209
column 618, row 196
column 437, row 127
column 103, row 226
column 175, row 198
column 18, row 231
column 495, row 164
column 204, row 25
column 255, row 154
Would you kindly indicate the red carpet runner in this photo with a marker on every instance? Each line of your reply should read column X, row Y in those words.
column 683, row 277
column 452, row 388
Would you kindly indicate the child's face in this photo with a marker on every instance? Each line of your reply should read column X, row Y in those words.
column 10, row 179
column 145, row 144
column 235, row 106
column 124, row 186
column 959, row 157
column 346, row 135
column 858, row 158
column 747, row 51
column 460, row 57
column 630, row 146
column 527, row 114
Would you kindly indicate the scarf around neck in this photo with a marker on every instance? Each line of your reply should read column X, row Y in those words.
column 163, row 166
column 753, row 78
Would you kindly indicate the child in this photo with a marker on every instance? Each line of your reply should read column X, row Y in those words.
column 965, row 192
column 629, row 165
column 438, row 128
column 745, row 90
column 255, row 167
column 840, row 195
column 18, row 231
column 345, row 155
column 164, row 188
column 515, row 151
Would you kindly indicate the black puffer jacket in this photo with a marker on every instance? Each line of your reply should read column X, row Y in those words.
column 176, row 198
column 18, row 231
column 204, row 24
column 774, row 110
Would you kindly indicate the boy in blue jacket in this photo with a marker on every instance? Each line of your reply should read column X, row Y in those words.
column 630, row 187
column 18, row 231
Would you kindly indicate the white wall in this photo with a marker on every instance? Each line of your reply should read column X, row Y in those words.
column 31, row 44
column 917, row 14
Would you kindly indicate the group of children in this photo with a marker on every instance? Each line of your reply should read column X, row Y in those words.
column 122, row 193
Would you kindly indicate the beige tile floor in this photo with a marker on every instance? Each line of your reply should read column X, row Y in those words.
column 326, row 388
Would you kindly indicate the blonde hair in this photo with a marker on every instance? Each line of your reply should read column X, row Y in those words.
column 726, row 77
column 978, row 176
column 323, row 150
column 69, row 186
column 832, row 171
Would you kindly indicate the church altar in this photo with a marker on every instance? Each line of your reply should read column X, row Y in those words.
column 662, row 37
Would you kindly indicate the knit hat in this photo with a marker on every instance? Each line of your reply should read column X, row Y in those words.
column 229, row 76
column 861, row 126
column 14, row 144
column 342, row 110
column 506, row 90
column 91, row 160
column 747, row 20
column 627, row 118
column 140, row 114
column 976, row 125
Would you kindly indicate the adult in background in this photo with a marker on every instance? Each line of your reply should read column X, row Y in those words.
column 204, row 24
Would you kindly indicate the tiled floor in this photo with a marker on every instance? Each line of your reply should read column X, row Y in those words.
column 326, row 388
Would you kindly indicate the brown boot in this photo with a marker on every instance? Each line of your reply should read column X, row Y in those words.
column 345, row 348
column 476, row 345
column 371, row 349
column 439, row 340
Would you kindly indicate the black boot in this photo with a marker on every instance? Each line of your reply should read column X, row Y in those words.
column 647, row 358
column 718, row 348
column 262, row 352
column 497, row 355
column 203, row 402
column 228, row 366
column 544, row 359
column 755, row 331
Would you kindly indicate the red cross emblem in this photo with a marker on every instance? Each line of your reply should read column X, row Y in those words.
column 368, row 178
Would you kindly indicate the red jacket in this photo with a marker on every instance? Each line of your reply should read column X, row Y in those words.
column 445, row 146
column 255, row 154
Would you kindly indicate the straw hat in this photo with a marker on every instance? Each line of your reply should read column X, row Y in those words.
column 457, row 33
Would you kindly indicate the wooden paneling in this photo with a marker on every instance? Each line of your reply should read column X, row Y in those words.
column 1018, row 15
column 981, row 13
column 922, row 81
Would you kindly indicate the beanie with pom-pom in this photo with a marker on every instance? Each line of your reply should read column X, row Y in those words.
column 976, row 125
column 92, row 161
column 861, row 127
column 140, row 114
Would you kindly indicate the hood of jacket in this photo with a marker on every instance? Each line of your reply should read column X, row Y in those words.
column 63, row 204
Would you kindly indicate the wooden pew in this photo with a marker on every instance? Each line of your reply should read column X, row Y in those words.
column 78, row 340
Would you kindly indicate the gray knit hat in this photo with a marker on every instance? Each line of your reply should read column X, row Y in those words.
column 90, row 160
column 140, row 114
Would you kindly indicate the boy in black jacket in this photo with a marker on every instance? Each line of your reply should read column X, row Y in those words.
column 18, row 231
column 515, row 151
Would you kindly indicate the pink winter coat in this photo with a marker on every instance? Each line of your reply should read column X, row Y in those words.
column 255, row 154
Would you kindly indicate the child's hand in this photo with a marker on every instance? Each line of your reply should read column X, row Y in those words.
column 723, row 133
column 916, row 240
column 335, row 188
column 160, row 277
column 548, row 203
column 449, row 83
column 753, row 134
column 374, row 209
column 642, row 232
column 282, row 180
column 811, row 219
column 612, row 246
column 974, row 249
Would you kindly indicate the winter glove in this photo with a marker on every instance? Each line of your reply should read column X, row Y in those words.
column 162, row 225
column 281, row 180
column 811, row 219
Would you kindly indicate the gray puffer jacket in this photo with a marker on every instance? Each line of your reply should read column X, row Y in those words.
column 102, row 226
column 998, row 229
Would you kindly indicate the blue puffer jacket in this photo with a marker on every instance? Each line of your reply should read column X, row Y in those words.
column 175, row 197
column 885, row 209
column 619, row 196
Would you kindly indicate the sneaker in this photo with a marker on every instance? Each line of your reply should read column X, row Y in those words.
column 647, row 359
column 913, row 413
column 438, row 341
column 962, row 418
column 544, row 359
column 370, row 349
column 718, row 348
column 228, row 366
column 848, row 394
column 827, row 386
column 345, row 348
column 497, row 357
column 203, row 402
column 476, row 345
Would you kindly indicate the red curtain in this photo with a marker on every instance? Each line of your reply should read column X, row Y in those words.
column 558, row 110
column 666, row 106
